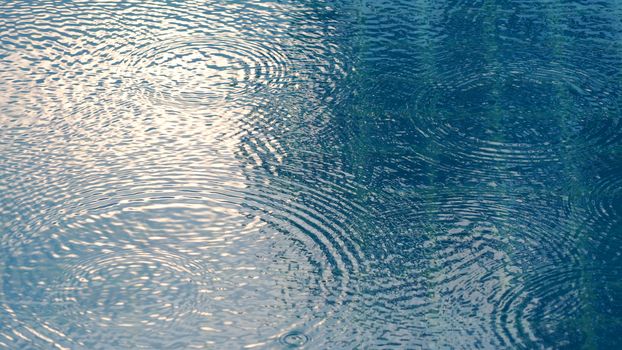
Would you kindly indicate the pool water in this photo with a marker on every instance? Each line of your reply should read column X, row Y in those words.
column 317, row 174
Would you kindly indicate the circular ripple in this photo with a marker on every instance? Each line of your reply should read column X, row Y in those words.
column 449, row 258
column 294, row 339
column 123, row 290
column 522, row 115
column 604, row 200
column 312, row 221
column 199, row 70
column 120, row 289
column 544, row 306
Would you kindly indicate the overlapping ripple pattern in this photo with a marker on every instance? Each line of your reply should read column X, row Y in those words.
column 196, row 174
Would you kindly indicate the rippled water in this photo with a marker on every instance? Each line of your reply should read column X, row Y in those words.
column 353, row 174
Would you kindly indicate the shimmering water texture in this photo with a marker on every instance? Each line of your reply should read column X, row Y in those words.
column 328, row 175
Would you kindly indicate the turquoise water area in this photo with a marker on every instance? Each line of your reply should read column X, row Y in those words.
column 369, row 174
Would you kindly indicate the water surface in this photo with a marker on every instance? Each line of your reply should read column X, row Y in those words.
column 351, row 174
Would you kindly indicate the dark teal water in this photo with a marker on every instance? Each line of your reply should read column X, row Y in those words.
column 327, row 175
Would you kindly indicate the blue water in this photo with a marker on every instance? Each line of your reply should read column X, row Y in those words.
column 328, row 175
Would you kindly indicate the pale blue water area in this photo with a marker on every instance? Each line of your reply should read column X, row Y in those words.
column 317, row 174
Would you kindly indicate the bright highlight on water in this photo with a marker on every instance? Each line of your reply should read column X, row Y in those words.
column 310, row 174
